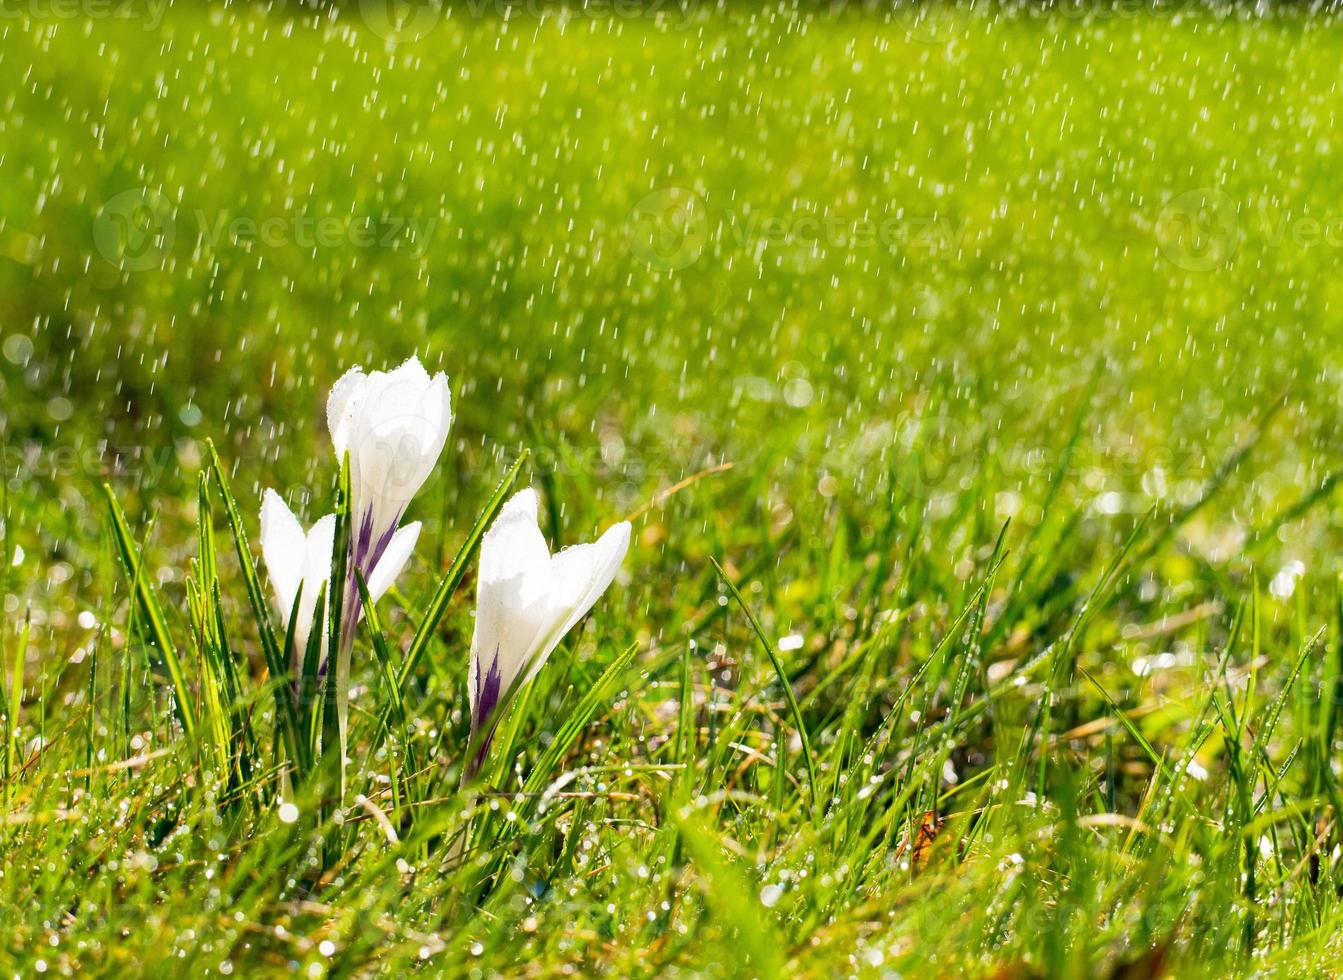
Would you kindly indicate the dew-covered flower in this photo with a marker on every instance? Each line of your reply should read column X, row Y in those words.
column 298, row 560
column 526, row 601
column 393, row 424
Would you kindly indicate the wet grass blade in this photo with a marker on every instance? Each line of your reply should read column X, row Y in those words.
column 1270, row 724
column 384, row 656
column 211, row 690
column 732, row 900
column 1225, row 470
column 310, row 687
column 784, row 682
column 15, row 705
column 335, row 696
column 1157, row 759
column 152, row 616
column 285, row 710
column 575, row 724
column 220, row 683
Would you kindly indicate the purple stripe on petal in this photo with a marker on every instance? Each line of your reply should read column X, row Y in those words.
column 487, row 700
column 365, row 550
column 361, row 541
column 487, row 693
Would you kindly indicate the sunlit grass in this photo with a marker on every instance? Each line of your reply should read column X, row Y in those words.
column 1008, row 645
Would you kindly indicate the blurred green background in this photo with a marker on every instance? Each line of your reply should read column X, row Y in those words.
column 647, row 241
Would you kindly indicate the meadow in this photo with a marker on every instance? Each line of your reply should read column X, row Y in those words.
column 970, row 376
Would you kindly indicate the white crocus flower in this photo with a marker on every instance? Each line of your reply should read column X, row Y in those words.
column 298, row 560
column 526, row 601
column 393, row 424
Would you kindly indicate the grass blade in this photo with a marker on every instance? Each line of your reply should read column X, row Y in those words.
column 384, row 657
column 336, row 692
column 732, row 898
column 784, row 682
column 143, row 596
column 576, row 723
column 286, row 713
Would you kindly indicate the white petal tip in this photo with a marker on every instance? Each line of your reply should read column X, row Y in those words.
column 273, row 508
column 522, row 504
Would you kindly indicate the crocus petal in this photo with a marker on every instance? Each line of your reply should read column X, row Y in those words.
column 526, row 600
column 340, row 406
column 393, row 424
column 393, row 560
column 318, row 547
column 508, row 628
column 514, row 544
column 401, row 425
column 299, row 565
column 580, row 575
column 283, row 545
column 510, row 592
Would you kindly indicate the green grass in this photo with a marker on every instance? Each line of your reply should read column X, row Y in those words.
column 1025, row 655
